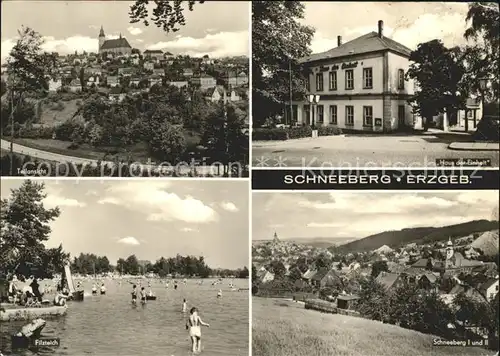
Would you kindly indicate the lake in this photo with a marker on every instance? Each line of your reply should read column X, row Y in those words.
column 110, row 325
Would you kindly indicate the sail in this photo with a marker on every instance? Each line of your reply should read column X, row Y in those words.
column 69, row 279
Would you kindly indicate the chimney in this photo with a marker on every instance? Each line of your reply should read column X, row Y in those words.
column 339, row 41
column 380, row 28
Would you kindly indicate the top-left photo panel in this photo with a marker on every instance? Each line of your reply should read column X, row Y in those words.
column 125, row 88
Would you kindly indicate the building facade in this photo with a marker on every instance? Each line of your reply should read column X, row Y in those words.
column 361, row 85
column 118, row 45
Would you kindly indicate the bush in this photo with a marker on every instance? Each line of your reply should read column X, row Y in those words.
column 35, row 132
column 265, row 134
column 276, row 134
column 299, row 132
column 329, row 131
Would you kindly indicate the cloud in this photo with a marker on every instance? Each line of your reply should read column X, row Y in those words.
column 152, row 199
column 216, row 45
column 323, row 225
column 109, row 200
column 55, row 200
column 129, row 240
column 321, row 43
column 134, row 31
column 229, row 207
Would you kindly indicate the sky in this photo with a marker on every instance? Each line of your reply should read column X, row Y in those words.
column 345, row 215
column 409, row 23
column 214, row 28
column 149, row 218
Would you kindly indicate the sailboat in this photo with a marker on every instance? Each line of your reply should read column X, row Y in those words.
column 76, row 295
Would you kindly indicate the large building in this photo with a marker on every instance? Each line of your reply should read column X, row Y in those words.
column 117, row 45
column 361, row 85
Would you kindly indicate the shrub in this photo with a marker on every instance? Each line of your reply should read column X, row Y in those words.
column 299, row 132
column 329, row 131
column 35, row 132
column 266, row 134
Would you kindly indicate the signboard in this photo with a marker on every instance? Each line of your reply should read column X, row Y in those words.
column 378, row 122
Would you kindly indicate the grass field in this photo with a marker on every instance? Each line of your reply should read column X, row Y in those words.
column 281, row 328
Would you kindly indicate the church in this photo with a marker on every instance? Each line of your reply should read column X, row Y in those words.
column 117, row 45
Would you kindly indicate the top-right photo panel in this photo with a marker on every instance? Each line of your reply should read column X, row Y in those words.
column 374, row 84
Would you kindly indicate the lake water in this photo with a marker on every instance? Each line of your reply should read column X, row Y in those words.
column 110, row 325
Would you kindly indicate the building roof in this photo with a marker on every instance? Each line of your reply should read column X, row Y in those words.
column 309, row 274
column 370, row 42
column 484, row 286
column 115, row 43
column 472, row 103
column 320, row 274
column 116, row 90
column 156, row 51
column 387, row 279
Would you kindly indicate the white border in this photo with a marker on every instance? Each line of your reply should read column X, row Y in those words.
column 249, row 180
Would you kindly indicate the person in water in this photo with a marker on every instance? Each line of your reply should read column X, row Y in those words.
column 103, row 289
column 184, row 306
column 143, row 295
column 219, row 293
column 193, row 325
column 150, row 293
column 175, row 285
column 134, row 294
column 94, row 289
column 60, row 299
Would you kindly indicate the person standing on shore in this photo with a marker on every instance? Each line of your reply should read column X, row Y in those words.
column 184, row 306
column 193, row 325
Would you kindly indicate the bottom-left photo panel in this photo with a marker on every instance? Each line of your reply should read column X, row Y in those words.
column 124, row 267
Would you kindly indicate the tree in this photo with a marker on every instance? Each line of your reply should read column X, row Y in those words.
column 167, row 15
column 373, row 300
column 279, row 40
column 322, row 261
column 167, row 142
column 438, row 72
column 484, row 19
column 132, row 265
column 277, row 268
column 25, row 226
column 244, row 273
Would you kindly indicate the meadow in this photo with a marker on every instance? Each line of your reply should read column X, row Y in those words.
column 285, row 328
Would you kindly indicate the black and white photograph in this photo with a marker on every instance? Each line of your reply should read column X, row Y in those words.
column 143, row 267
column 375, row 273
column 125, row 88
column 380, row 84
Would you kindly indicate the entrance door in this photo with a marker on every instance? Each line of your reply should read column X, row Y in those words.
column 401, row 116
column 307, row 115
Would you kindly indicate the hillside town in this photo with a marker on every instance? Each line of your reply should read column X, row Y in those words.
column 458, row 271
column 192, row 95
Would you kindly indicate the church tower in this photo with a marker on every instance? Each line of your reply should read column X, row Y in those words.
column 449, row 254
column 102, row 38
column 275, row 238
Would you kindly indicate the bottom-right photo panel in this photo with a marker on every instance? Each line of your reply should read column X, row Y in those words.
column 375, row 273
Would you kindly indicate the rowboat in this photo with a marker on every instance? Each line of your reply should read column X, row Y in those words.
column 151, row 297
column 17, row 313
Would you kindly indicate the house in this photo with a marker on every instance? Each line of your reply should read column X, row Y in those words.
column 93, row 71
column 112, row 80
column 326, row 277
column 489, row 289
column 149, row 65
column 390, row 281
column 75, row 86
column 216, row 94
column 134, row 81
column 157, row 54
column 309, row 274
column 361, row 85
column 55, row 85
column 159, row 71
column 135, row 60
column 126, row 72
column 168, row 56
column 155, row 80
column 204, row 81
column 234, row 97
column 347, row 302
column 267, row 277
column 116, row 94
column 187, row 72
column 179, row 83
column 93, row 80
column 236, row 78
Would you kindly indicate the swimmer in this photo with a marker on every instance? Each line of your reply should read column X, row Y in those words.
column 219, row 293
column 103, row 289
column 134, row 294
column 193, row 325
column 150, row 293
column 60, row 299
column 184, row 306
column 143, row 295
column 94, row 289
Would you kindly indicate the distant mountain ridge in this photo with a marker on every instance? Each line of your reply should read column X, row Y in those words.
column 419, row 235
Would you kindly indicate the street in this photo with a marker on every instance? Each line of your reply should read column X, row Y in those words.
column 348, row 151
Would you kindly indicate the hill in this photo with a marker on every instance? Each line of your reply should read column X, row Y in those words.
column 275, row 332
column 487, row 242
column 419, row 235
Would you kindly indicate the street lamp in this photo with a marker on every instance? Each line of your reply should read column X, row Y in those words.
column 484, row 84
column 313, row 101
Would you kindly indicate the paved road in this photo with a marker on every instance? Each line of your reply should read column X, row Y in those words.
column 63, row 159
column 361, row 151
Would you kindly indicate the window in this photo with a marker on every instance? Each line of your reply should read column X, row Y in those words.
column 307, row 83
column 367, row 78
column 401, row 79
column 320, row 114
column 470, row 114
column 349, row 79
column 368, row 116
column 307, row 115
column 332, row 80
column 349, row 115
column 319, row 82
column 333, row 114
column 401, row 114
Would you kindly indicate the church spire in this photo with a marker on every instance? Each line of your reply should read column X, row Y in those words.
column 101, row 33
